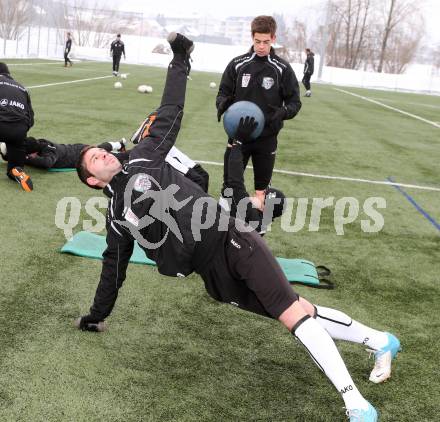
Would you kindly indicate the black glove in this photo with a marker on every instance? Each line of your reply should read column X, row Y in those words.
column 276, row 117
column 244, row 130
column 89, row 323
column 223, row 105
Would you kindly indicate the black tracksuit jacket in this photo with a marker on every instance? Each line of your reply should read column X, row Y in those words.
column 15, row 102
column 154, row 204
column 266, row 81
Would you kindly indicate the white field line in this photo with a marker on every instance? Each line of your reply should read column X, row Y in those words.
column 347, row 179
column 54, row 61
column 71, row 82
column 405, row 102
column 33, row 64
column 389, row 107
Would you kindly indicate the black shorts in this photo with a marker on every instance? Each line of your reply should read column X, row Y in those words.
column 244, row 273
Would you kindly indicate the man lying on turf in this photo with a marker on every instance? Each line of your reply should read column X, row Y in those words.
column 183, row 230
column 48, row 154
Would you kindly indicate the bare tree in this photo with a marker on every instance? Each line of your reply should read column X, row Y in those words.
column 295, row 37
column 14, row 15
column 436, row 55
column 348, row 29
column 403, row 44
column 397, row 12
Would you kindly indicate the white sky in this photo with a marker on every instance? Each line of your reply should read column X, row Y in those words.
column 303, row 9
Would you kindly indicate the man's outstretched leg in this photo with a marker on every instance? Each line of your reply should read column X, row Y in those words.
column 385, row 346
column 254, row 281
column 324, row 353
column 166, row 119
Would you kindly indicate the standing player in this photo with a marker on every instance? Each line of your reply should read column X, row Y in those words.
column 155, row 205
column 309, row 67
column 16, row 118
column 117, row 48
column 262, row 77
column 67, row 50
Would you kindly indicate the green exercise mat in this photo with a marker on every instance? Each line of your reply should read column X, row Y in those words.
column 91, row 245
column 54, row 170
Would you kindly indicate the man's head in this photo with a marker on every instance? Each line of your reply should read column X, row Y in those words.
column 118, row 36
column 263, row 29
column 96, row 167
column 69, row 35
column 308, row 51
column 4, row 68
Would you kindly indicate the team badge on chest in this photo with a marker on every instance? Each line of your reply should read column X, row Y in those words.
column 267, row 83
column 245, row 80
column 142, row 183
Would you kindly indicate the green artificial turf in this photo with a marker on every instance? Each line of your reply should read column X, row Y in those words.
column 172, row 353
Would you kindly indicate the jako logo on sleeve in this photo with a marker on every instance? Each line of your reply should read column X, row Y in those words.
column 4, row 102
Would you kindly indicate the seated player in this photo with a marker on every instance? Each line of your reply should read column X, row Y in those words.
column 48, row 154
column 155, row 205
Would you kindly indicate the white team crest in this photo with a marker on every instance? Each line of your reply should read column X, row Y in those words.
column 142, row 183
column 245, row 80
column 267, row 83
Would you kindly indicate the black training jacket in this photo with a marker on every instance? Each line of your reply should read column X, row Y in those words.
column 15, row 102
column 266, row 81
column 309, row 64
column 153, row 203
column 117, row 48
column 68, row 46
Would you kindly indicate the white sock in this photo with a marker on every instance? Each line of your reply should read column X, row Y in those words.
column 325, row 354
column 341, row 327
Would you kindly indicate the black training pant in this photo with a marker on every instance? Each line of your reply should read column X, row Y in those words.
column 244, row 273
column 116, row 61
column 263, row 154
column 13, row 135
column 66, row 59
column 306, row 81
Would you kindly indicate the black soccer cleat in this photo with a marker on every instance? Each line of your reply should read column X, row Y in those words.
column 180, row 44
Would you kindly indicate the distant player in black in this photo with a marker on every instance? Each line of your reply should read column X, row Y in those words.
column 67, row 50
column 16, row 118
column 309, row 67
column 117, row 49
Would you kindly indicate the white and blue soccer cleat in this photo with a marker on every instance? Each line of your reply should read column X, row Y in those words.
column 383, row 358
column 361, row 415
